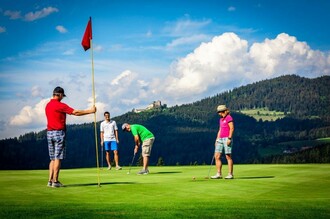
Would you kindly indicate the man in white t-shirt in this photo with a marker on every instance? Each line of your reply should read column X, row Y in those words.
column 109, row 138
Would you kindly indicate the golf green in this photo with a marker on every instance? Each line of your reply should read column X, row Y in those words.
column 258, row 191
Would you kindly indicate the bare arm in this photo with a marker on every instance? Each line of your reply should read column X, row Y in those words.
column 116, row 134
column 231, row 132
column 137, row 143
column 84, row 112
column 102, row 137
column 231, row 129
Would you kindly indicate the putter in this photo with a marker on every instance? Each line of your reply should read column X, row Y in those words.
column 129, row 170
column 208, row 176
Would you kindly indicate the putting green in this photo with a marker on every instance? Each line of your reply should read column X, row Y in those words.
column 258, row 191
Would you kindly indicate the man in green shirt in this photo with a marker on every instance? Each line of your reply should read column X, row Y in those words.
column 141, row 134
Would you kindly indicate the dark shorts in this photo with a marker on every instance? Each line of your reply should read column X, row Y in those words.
column 56, row 144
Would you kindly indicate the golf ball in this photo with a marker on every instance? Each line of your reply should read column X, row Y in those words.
column 193, row 178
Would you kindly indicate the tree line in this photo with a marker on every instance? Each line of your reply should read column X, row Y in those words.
column 185, row 134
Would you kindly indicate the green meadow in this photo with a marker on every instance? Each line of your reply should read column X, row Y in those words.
column 258, row 191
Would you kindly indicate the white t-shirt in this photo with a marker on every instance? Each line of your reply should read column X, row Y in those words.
column 108, row 129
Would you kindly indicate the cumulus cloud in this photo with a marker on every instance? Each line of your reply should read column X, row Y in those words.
column 286, row 55
column 228, row 61
column 61, row 29
column 225, row 62
column 210, row 64
column 30, row 116
column 32, row 16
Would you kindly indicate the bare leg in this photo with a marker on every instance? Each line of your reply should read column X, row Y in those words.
column 51, row 171
column 107, row 156
column 56, row 169
column 115, row 154
column 218, row 162
column 145, row 162
column 230, row 164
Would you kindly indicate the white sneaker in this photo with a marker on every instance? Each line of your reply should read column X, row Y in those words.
column 109, row 167
column 216, row 176
column 118, row 168
column 230, row 176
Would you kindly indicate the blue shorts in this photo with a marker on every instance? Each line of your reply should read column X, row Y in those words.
column 110, row 145
column 221, row 144
column 56, row 144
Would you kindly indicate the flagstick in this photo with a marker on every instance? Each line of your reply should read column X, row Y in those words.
column 95, row 132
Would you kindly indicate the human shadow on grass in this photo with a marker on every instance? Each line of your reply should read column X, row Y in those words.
column 254, row 177
column 166, row 172
column 96, row 184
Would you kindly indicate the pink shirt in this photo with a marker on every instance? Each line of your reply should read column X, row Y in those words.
column 224, row 127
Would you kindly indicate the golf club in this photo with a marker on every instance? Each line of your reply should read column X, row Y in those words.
column 129, row 170
column 208, row 176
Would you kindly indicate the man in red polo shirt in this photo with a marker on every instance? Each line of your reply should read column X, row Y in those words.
column 56, row 127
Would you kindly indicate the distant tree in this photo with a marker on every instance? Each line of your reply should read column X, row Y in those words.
column 160, row 162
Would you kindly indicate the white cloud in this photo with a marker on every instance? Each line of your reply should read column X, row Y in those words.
column 124, row 78
column 30, row 116
column 210, row 64
column 32, row 16
column 286, row 55
column 231, row 8
column 185, row 27
column 227, row 62
column 2, row 29
column 36, row 91
column 61, row 29
column 187, row 41
column 13, row 15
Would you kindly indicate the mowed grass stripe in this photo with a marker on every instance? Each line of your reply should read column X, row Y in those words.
column 258, row 191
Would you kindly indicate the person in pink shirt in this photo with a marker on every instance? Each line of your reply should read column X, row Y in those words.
column 224, row 142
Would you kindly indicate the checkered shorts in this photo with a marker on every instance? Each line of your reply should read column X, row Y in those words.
column 56, row 144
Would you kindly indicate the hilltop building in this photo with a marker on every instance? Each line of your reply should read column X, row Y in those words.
column 154, row 105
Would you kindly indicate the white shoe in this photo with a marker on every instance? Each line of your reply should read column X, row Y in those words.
column 109, row 167
column 230, row 176
column 118, row 168
column 216, row 176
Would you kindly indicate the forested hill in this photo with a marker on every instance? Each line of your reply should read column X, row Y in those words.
column 185, row 134
column 295, row 96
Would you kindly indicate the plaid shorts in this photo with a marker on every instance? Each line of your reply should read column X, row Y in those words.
column 56, row 144
column 221, row 144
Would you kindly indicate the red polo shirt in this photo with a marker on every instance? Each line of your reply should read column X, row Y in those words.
column 56, row 114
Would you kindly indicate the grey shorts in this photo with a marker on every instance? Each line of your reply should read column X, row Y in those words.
column 221, row 144
column 56, row 144
column 147, row 146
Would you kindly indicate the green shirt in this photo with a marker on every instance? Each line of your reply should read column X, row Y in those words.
column 141, row 131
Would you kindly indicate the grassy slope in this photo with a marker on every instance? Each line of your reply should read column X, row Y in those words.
column 279, row 148
column 259, row 191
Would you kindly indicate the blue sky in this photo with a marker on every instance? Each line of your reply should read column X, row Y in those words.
column 174, row 51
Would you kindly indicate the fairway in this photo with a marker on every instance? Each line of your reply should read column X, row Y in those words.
column 258, row 191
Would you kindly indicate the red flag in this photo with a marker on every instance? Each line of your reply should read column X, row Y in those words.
column 86, row 43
